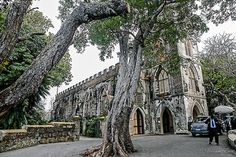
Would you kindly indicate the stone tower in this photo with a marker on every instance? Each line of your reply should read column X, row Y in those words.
column 170, row 100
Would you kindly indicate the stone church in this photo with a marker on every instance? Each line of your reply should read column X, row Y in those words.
column 165, row 102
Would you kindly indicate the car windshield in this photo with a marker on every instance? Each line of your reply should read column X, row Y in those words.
column 200, row 119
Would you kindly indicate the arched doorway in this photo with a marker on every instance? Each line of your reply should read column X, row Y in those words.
column 196, row 112
column 137, row 121
column 167, row 121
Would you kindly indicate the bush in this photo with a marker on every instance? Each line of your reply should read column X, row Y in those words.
column 93, row 127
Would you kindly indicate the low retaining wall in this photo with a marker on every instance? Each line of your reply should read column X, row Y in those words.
column 32, row 135
column 232, row 138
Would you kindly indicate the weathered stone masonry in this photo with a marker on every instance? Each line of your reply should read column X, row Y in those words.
column 165, row 103
column 87, row 98
column 32, row 135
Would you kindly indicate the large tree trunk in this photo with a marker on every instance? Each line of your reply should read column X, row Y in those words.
column 14, row 19
column 117, row 140
column 31, row 79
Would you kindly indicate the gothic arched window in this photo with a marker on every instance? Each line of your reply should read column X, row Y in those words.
column 192, row 81
column 163, row 80
column 188, row 48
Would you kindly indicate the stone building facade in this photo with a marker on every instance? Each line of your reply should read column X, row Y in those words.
column 165, row 103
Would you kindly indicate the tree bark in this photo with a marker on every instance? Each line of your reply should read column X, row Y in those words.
column 117, row 140
column 14, row 19
column 28, row 83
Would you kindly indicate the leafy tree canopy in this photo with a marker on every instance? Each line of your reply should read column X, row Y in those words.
column 219, row 11
column 176, row 22
column 219, row 63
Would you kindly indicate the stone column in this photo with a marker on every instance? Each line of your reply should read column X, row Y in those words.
column 84, row 122
column 76, row 120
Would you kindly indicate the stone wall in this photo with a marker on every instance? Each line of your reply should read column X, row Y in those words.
column 32, row 135
column 92, row 81
column 88, row 98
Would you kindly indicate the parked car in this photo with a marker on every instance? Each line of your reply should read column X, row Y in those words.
column 199, row 127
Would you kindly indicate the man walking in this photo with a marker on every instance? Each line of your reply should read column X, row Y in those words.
column 212, row 122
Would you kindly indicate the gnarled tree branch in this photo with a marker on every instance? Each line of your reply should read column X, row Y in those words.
column 28, row 83
column 32, row 9
column 227, row 99
column 222, row 94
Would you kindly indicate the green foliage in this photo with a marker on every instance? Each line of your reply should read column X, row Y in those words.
column 23, row 115
column 172, row 26
column 15, row 118
column 61, row 72
column 100, row 34
column 22, row 56
column 30, row 111
column 2, row 18
column 99, row 31
column 180, row 21
column 93, row 127
column 26, row 51
column 173, row 63
column 37, row 22
column 66, row 7
column 3, row 8
column 218, row 65
column 176, row 22
column 219, row 11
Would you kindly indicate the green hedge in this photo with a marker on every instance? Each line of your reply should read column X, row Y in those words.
column 93, row 127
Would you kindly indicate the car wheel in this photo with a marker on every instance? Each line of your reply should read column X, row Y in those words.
column 193, row 135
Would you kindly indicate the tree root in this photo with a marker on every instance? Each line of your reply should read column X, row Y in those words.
column 91, row 151
column 106, row 150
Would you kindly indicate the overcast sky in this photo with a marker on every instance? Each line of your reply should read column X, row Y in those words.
column 87, row 64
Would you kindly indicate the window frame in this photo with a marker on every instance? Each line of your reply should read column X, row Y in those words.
column 192, row 81
column 163, row 82
column 188, row 48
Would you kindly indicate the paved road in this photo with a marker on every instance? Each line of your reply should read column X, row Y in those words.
column 181, row 146
column 148, row 146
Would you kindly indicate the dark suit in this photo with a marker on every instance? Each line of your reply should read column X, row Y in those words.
column 213, row 129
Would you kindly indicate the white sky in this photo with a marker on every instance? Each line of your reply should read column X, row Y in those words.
column 87, row 64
